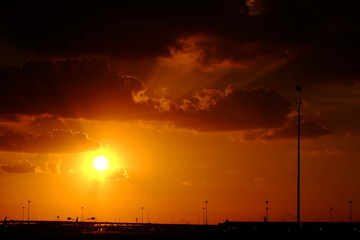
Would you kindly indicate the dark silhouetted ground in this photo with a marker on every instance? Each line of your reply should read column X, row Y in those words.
column 229, row 230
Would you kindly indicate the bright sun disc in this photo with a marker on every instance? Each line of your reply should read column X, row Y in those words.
column 100, row 163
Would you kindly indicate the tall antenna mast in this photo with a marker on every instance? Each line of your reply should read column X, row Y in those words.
column 298, row 102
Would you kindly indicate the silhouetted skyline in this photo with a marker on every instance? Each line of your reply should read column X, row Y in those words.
column 181, row 103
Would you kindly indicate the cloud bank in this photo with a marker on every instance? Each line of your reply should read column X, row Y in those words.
column 236, row 30
column 89, row 89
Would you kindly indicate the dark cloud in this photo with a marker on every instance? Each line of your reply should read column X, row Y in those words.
column 261, row 112
column 121, row 27
column 57, row 141
column 270, row 62
column 23, row 166
column 318, row 66
column 37, row 124
column 4, row 117
column 234, row 109
column 101, row 27
column 67, row 88
column 309, row 130
column 45, row 123
column 215, row 49
column 316, row 40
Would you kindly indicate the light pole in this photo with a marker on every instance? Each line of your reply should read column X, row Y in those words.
column 29, row 211
column 350, row 204
column 267, row 211
column 142, row 214
column 331, row 215
column 82, row 214
column 298, row 102
column 206, row 213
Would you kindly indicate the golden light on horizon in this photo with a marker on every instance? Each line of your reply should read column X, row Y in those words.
column 100, row 163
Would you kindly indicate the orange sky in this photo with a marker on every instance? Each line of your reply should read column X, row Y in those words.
column 185, row 112
column 171, row 173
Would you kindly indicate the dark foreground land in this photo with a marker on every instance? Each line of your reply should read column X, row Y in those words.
column 129, row 231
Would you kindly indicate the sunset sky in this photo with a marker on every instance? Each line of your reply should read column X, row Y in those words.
column 189, row 101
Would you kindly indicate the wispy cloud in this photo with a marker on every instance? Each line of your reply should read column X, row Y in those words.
column 56, row 141
column 53, row 165
column 117, row 174
column 22, row 166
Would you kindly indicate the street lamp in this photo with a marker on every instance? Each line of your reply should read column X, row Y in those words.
column 331, row 215
column 350, row 204
column 23, row 209
column 29, row 210
column 82, row 214
column 267, row 211
column 142, row 214
column 298, row 102
column 206, row 213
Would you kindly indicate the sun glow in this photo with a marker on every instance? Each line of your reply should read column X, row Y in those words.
column 100, row 163
column 103, row 165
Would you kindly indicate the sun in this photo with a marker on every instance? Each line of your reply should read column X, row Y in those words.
column 100, row 163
